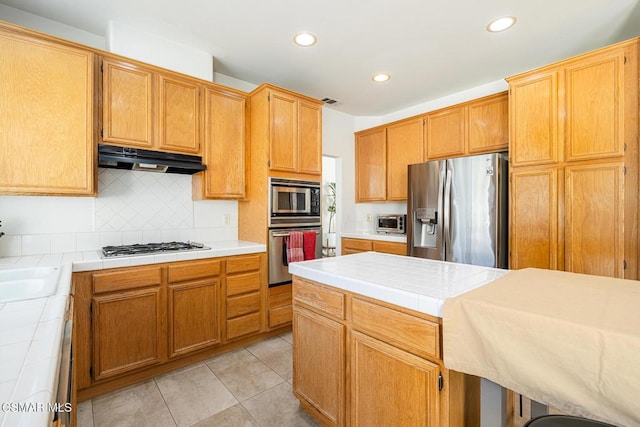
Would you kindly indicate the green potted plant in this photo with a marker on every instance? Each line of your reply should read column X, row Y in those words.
column 331, row 208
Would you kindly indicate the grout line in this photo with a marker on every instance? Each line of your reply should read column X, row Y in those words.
column 165, row 401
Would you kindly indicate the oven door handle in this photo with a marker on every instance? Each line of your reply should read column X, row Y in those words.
column 286, row 234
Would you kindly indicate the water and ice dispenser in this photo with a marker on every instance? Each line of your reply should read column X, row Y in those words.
column 425, row 227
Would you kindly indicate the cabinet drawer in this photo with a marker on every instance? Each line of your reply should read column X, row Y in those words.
column 245, row 263
column 193, row 270
column 318, row 297
column 243, row 283
column 280, row 315
column 390, row 247
column 280, row 295
column 243, row 304
column 130, row 278
column 358, row 244
column 411, row 333
column 243, row 325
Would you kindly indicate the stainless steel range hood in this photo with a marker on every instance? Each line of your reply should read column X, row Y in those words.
column 110, row 156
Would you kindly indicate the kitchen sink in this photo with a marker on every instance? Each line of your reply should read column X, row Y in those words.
column 20, row 284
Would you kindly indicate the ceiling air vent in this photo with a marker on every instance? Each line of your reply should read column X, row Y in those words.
column 328, row 101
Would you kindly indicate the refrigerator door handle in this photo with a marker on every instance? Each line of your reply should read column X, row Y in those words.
column 447, row 212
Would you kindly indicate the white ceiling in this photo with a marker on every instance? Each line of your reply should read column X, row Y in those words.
column 431, row 48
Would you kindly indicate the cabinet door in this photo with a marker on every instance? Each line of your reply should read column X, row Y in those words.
column 533, row 119
column 194, row 316
column 489, row 125
column 224, row 145
column 309, row 138
column 595, row 106
column 371, row 166
column 283, row 141
column 446, row 133
column 127, row 331
column 391, row 387
column 127, row 104
column 179, row 115
column 533, row 224
column 594, row 219
column 46, row 119
column 396, row 248
column 319, row 364
column 404, row 147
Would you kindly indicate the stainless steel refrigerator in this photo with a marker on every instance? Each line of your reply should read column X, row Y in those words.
column 457, row 210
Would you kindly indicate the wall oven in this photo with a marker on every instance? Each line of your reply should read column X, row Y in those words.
column 278, row 268
column 293, row 203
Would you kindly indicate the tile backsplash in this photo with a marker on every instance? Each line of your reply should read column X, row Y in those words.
column 131, row 207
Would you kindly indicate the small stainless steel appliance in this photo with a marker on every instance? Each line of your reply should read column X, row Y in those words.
column 148, row 248
column 293, row 203
column 391, row 224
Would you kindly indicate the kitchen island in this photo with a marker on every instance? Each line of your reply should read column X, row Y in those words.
column 368, row 323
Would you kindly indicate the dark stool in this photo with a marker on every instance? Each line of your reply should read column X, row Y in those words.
column 564, row 421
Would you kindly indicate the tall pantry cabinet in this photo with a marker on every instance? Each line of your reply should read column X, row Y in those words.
column 574, row 164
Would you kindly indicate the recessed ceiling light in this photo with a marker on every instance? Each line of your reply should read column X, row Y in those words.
column 501, row 24
column 381, row 77
column 305, row 39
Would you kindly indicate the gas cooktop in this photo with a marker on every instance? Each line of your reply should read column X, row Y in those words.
column 149, row 248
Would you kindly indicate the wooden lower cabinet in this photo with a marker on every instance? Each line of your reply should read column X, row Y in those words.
column 354, row 246
column 194, row 316
column 280, row 307
column 319, row 364
column 118, row 347
column 350, row 368
column 407, row 384
column 133, row 323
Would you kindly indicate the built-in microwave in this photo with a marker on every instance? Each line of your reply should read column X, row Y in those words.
column 392, row 224
column 294, row 202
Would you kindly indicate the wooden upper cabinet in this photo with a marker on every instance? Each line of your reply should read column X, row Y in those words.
column 533, row 119
column 283, row 147
column 224, row 143
column 179, row 115
column 371, row 166
column 533, row 229
column 594, row 210
column 295, row 135
column 404, row 147
column 489, row 125
column 309, row 138
column 127, row 103
column 446, row 133
column 595, row 106
column 144, row 108
column 46, row 124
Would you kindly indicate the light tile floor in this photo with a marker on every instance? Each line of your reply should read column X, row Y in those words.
column 246, row 387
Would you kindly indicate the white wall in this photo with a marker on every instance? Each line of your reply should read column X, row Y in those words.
column 54, row 28
column 156, row 50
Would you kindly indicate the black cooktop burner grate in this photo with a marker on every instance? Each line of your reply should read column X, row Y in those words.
column 149, row 248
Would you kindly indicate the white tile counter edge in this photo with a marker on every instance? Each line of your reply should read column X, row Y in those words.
column 414, row 283
column 400, row 238
column 92, row 260
column 37, row 352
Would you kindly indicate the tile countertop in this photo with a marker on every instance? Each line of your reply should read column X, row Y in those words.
column 30, row 344
column 92, row 260
column 401, row 238
column 31, row 330
column 413, row 283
